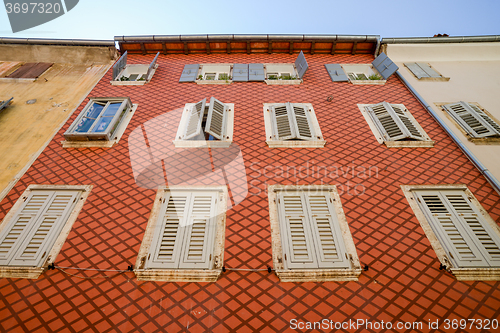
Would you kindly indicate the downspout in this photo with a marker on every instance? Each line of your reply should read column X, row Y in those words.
column 486, row 173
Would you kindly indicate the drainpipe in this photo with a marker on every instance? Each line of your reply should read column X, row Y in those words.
column 486, row 173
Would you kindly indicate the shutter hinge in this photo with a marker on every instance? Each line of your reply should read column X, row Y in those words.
column 51, row 266
column 24, row 198
column 130, row 268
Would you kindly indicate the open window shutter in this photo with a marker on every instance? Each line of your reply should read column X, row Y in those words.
column 303, row 126
column 199, row 235
column 195, row 118
column 44, row 232
column 256, row 72
column 217, row 119
column 328, row 241
column 472, row 122
column 454, row 237
column 283, row 122
column 189, row 73
column 479, row 229
column 387, row 121
column 336, row 72
column 384, row 65
column 6, row 103
column 408, row 122
column 166, row 245
column 119, row 66
column 482, row 114
column 301, row 64
column 240, row 72
column 296, row 238
column 152, row 66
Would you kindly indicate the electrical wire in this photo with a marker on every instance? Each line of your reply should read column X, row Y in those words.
column 118, row 272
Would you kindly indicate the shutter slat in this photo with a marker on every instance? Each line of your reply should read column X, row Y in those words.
column 217, row 119
column 385, row 66
column 240, row 72
column 189, row 73
column 119, row 66
column 336, row 72
column 195, row 118
column 301, row 64
column 256, row 72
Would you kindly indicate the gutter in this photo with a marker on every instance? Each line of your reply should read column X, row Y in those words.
column 428, row 40
column 47, row 41
column 484, row 171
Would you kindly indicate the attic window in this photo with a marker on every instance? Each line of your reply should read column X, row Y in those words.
column 395, row 126
column 206, row 125
column 133, row 74
column 292, row 125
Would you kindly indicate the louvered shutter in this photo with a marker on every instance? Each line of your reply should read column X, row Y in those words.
column 217, row 119
column 473, row 120
column 198, row 240
column 336, row 72
column 296, row 238
column 328, row 241
column 409, row 126
column 387, row 121
column 301, row 64
column 452, row 234
column 6, row 103
column 303, row 126
column 166, row 245
column 283, row 122
column 385, row 66
column 256, row 72
column 119, row 66
column 195, row 118
column 189, row 73
column 152, row 66
column 240, row 72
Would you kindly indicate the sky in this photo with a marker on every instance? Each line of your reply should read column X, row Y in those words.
column 105, row 19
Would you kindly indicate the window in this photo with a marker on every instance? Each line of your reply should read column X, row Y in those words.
column 424, row 72
column 310, row 236
column 480, row 126
column 34, row 230
column 376, row 73
column 395, row 126
column 292, row 125
column 206, row 125
column 464, row 236
column 214, row 74
column 29, row 71
column 134, row 74
column 184, row 239
column 101, row 123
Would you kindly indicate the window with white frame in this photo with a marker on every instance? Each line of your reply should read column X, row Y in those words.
column 395, row 126
column 133, row 74
column 214, row 72
column 310, row 236
column 184, row 239
column 33, row 232
column 464, row 236
column 476, row 122
column 424, row 72
column 292, row 125
column 206, row 124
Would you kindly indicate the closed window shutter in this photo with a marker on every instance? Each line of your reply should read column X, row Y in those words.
column 256, row 72
column 298, row 248
column 387, row 122
column 329, row 245
column 336, row 72
column 195, row 118
column 385, row 66
column 453, row 235
column 303, row 127
column 428, row 70
column 301, row 64
column 167, row 241
column 30, row 70
column 240, row 72
column 152, row 66
column 283, row 121
column 27, row 240
column 217, row 119
column 199, row 235
column 473, row 120
column 421, row 70
column 119, row 65
column 189, row 73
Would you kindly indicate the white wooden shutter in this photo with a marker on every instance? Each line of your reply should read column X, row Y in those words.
column 217, row 119
column 328, row 241
column 283, row 122
column 393, row 122
column 296, row 238
column 461, row 248
column 199, row 236
column 195, row 118
column 166, row 245
column 32, row 232
column 409, row 126
column 303, row 125
column 473, row 120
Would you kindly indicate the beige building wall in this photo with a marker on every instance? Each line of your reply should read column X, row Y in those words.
column 474, row 72
column 25, row 129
